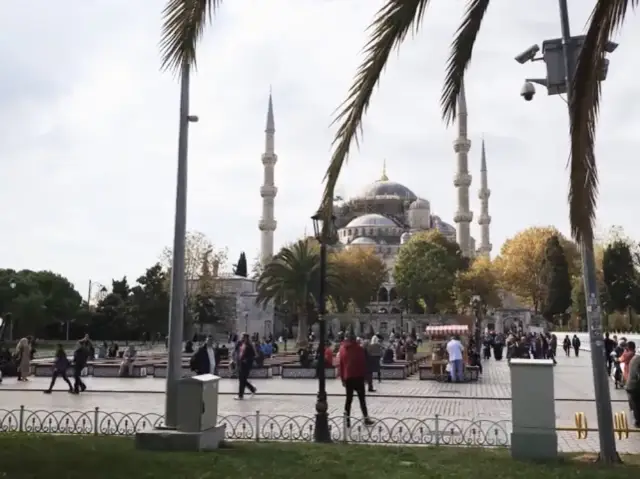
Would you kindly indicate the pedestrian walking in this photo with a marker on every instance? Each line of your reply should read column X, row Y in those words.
column 60, row 366
column 352, row 368
column 80, row 358
column 246, row 356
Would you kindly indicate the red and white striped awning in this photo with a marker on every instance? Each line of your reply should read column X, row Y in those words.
column 447, row 330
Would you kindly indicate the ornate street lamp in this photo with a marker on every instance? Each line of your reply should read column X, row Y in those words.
column 476, row 304
column 322, row 231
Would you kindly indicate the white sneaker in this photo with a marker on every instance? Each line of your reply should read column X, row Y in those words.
column 253, row 394
column 238, row 398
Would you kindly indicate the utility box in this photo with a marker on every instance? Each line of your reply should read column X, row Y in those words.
column 533, row 413
column 198, row 403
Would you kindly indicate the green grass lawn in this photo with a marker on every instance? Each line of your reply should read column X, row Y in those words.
column 57, row 457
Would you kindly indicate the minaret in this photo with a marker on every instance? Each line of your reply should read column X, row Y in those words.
column 485, row 220
column 268, row 190
column 462, row 179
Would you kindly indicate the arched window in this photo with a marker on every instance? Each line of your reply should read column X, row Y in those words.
column 383, row 295
column 393, row 294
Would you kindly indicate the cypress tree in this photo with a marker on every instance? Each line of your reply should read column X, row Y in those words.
column 557, row 286
column 241, row 267
column 619, row 275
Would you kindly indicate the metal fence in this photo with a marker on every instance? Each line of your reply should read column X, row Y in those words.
column 435, row 431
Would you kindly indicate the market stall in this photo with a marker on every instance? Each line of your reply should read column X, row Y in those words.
column 437, row 337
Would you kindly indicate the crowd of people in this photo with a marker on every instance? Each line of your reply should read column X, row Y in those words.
column 357, row 360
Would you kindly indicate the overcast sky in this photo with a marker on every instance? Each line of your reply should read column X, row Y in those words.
column 88, row 135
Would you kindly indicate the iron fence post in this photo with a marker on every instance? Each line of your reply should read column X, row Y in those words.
column 437, row 429
column 345, row 430
column 258, row 426
column 21, row 419
column 96, row 418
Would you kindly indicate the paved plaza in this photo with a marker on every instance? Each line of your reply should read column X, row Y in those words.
column 487, row 399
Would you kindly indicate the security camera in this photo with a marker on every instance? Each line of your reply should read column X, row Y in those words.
column 528, row 54
column 528, row 91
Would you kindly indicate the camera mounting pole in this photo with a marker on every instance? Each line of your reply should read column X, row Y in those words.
column 560, row 56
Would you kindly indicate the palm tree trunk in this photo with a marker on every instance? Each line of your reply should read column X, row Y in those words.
column 302, row 340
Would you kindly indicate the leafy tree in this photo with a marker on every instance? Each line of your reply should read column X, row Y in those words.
column 113, row 312
column 198, row 248
column 456, row 260
column 292, row 277
column 150, row 301
column 480, row 279
column 256, row 267
column 578, row 300
column 620, row 275
column 202, row 266
column 40, row 301
column 425, row 271
column 557, row 281
column 120, row 288
column 241, row 267
column 363, row 272
column 521, row 264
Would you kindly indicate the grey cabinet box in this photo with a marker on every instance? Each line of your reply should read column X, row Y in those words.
column 198, row 403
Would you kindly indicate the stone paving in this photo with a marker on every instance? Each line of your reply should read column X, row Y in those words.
column 488, row 399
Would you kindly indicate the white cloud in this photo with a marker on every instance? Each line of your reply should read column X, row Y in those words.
column 89, row 125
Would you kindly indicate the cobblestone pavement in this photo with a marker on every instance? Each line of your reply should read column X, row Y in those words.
column 488, row 399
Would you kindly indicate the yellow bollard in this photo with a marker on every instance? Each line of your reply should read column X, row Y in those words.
column 581, row 425
column 624, row 425
column 617, row 424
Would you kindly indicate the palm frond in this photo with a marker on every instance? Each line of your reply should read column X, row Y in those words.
column 584, row 107
column 461, row 52
column 388, row 30
column 183, row 23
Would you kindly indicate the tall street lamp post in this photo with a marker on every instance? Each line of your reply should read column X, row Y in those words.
column 8, row 316
column 476, row 303
column 177, row 302
column 321, row 432
column 560, row 56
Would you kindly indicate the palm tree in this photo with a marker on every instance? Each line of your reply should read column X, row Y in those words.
column 389, row 30
column 183, row 23
column 293, row 275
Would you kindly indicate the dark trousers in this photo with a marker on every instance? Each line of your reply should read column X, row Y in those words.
column 370, row 380
column 609, row 363
column 576, row 349
column 78, row 384
column 243, row 380
column 634, row 405
column 355, row 385
column 567, row 350
column 59, row 374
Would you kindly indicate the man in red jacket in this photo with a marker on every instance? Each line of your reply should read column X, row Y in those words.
column 352, row 369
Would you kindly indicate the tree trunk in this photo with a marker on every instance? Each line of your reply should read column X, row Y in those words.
column 302, row 340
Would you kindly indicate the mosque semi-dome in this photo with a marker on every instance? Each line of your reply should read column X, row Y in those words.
column 420, row 204
column 372, row 219
column 363, row 241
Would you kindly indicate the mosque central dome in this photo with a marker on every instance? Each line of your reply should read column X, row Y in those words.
column 385, row 187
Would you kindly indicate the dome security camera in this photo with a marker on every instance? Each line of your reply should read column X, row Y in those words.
column 528, row 91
